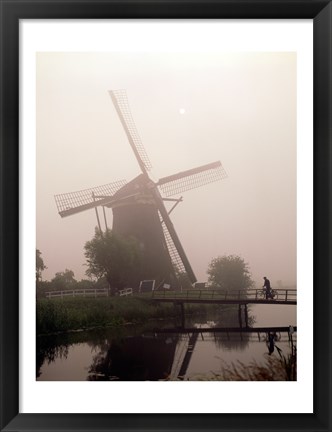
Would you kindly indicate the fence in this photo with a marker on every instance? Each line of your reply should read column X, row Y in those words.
column 125, row 292
column 101, row 292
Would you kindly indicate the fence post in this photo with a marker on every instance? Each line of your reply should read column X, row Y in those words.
column 286, row 294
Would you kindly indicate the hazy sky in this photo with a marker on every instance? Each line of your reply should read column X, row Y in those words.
column 190, row 109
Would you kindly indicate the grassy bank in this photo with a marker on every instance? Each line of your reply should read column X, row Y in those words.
column 277, row 368
column 60, row 315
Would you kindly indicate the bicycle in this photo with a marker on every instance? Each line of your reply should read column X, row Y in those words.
column 261, row 294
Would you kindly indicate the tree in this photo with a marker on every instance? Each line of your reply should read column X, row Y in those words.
column 85, row 284
column 40, row 266
column 63, row 280
column 114, row 257
column 183, row 280
column 229, row 272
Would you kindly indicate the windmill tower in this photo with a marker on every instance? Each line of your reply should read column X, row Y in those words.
column 138, row 207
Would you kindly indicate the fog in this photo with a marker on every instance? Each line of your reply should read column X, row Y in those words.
column 190, row 109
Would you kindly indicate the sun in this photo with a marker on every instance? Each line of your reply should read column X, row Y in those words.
column 182, row 111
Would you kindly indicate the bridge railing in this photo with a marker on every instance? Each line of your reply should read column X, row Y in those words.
column 281, row 295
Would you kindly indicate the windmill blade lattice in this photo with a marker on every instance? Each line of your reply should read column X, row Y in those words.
column 74, row 200
column 191, row 179
column 172, row 250
column 120, row 101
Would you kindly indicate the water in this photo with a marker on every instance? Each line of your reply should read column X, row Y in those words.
column 143, row 353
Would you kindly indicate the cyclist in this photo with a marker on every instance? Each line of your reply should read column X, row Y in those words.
column 267, row 287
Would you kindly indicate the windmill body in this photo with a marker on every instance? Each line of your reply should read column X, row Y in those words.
column 138, row 216
column 139, row 210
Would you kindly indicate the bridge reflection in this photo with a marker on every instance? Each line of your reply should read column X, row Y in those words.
column 288, row 329
column 234, row 339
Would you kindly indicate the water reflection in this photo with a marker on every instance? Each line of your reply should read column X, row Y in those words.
column 140, row 354
column 138, row 358
column 231, row 341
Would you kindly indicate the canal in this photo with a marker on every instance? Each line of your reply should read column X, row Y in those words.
column 157, row 351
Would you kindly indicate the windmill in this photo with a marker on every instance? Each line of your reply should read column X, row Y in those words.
column 138, row 206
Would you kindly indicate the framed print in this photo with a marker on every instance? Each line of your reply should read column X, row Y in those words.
column 120, row 305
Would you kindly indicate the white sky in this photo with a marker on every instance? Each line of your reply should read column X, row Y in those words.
column 240, row 108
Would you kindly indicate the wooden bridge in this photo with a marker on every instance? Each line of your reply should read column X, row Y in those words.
column 254, row 296
column 226, row 297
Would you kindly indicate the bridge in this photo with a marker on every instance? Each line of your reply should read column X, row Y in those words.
column 253, row 296
column 226, row 297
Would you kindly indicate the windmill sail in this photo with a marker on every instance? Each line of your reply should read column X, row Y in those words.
column 120, row 101
column 176, row 251
column 191, row 179
column 179, row 266
column 172, row 237
column 75, row 202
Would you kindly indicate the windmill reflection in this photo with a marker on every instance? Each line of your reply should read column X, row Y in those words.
column 134, row 359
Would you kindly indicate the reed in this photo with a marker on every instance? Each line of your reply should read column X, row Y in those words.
column 61, row 315
column 276, row 368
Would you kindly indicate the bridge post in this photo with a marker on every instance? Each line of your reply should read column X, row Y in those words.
column 182, row 315
column 240, row 315
column 181, row 304
column 246, row 315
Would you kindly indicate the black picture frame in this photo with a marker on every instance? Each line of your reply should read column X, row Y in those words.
column 12, row 11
